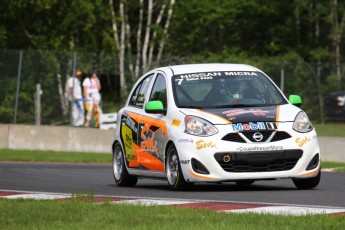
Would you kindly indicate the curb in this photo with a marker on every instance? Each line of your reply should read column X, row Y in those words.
column 228, row 207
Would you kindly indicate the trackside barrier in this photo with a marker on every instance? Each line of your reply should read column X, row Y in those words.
column 107, row 121
column 58, row 138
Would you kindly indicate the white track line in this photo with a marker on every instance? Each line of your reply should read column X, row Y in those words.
column 151, row 202
column 289, row 210
column 39, row 196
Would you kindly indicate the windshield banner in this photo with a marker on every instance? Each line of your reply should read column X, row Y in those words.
column 244, row 115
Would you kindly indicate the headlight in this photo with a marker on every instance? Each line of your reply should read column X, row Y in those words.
column 199, row 127
column 302, row 123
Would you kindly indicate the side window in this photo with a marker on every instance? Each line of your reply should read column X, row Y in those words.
column 267, row 93
column 159, row 90
column 139, row 94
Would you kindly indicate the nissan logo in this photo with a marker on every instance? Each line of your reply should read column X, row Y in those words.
column 258, row 136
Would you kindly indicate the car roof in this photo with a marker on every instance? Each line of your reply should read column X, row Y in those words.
column 199, row 68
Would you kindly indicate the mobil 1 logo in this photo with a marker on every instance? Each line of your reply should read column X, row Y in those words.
column 253, row 126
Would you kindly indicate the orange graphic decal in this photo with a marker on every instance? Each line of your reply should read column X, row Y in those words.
column 149, row 143
column 199, row 176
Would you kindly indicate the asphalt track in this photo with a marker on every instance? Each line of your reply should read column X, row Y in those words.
column 98, row 178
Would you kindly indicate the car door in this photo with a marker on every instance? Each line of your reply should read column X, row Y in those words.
column 130, row 120
column 152, row 130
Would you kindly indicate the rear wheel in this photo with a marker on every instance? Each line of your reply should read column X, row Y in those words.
column 121, row 176
column 244, row 182
column 308, row 183
column 173, row 171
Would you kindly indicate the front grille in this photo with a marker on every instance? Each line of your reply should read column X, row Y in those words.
column 249, row 135
column 272, row 161
column 278, row 165
column 236, row 137
column 280, row 135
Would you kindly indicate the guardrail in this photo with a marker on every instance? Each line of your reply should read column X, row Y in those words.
column 58, row 138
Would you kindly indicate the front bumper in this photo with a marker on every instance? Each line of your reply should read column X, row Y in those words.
column 230, row 161
column 266, row 161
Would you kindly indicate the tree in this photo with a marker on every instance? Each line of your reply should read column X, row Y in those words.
column 150, row 35
column 338, row 24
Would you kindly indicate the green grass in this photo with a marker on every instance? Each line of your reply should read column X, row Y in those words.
column 52, row 156
column 332, row 129
column 339, row 167
column 76, row 214
column 76, row 157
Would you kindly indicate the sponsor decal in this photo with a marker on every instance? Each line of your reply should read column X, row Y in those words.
column 244, row 115
column 254, row 126
column 238, row 112
column 126, row 133
column 185, row 140
column 131, row 124
column 200, row 144
column 259, row 148
column 239, row 73
column 301, row 141
column 200, row 75
column 197, row 76
column 211, row 75
column 175, row 122
column 185, row 162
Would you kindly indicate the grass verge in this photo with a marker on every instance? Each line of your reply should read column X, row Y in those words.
column 337, row 166
column 331, row 129
column 76, row 214
column 52, row 156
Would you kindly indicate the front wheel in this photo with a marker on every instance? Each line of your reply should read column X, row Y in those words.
column 173, row 171
column 308, row 183
column 121, row 176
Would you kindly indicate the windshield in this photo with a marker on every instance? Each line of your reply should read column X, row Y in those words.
column 230, row 89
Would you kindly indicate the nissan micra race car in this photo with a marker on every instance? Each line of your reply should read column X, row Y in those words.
column 213, row 123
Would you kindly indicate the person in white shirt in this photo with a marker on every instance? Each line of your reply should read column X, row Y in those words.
column 92, row 97
column 76, row 98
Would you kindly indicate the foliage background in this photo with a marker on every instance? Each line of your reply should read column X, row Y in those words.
column 302, row 37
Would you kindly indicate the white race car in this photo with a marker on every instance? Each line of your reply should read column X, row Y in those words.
column 213, row 123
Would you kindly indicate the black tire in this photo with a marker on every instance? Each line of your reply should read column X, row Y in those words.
column 121, row 176
column 173, row 171
column 308, row 183
column 244, row 182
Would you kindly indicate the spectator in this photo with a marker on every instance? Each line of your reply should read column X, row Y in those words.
column 76, row 99
column 92, row 97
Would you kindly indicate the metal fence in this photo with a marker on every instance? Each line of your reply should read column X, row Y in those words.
column 22, row 72
column 33, row 84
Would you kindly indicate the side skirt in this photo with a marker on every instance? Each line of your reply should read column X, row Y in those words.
column 146, row 173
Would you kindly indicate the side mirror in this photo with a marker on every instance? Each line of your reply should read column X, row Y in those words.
column 154, row 107
column 295, row 100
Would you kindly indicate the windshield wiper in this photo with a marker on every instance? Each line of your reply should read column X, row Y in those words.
column 235, row 106
column 190, row 107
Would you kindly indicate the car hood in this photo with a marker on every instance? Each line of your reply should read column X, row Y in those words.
column 280, row 113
